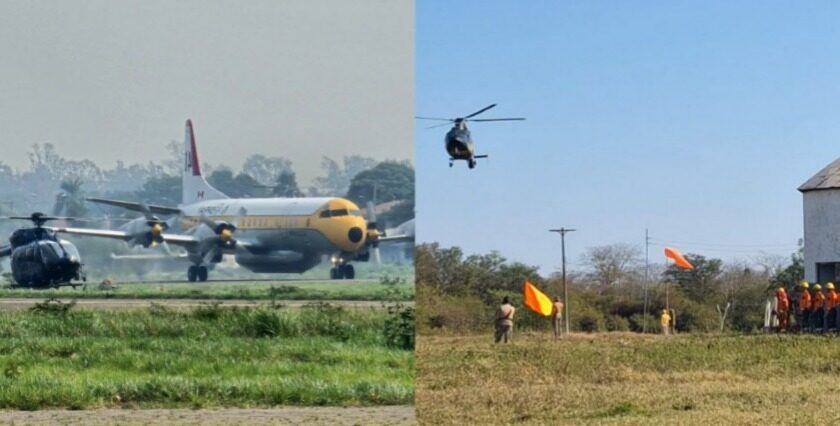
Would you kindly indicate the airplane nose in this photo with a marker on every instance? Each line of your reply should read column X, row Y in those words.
column 355, row 234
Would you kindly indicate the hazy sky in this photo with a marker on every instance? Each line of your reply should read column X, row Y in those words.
column 697, row 120
column 115, row 80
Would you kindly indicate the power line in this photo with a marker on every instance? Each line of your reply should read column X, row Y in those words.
column 723, row 244
column 731, row 250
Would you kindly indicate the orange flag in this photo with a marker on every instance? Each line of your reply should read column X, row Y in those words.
column 678, row 258
column 537, row 300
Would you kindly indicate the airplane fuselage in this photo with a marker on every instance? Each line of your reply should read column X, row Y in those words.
column 284, row 234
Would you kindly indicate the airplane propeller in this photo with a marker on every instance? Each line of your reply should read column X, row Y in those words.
column 156, row 227
column 223, row 239
column 373, row 233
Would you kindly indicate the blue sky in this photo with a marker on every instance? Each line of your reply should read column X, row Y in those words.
column 697, row 120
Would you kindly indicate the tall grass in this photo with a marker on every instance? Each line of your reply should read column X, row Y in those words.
column 322, row 355
column 624, row 378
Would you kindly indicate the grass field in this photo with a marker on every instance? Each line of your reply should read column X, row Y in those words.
column 256, row 290
column 629, row 379
column 208, row 357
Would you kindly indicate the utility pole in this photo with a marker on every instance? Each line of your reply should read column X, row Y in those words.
column 562, row 232
column 647, row 267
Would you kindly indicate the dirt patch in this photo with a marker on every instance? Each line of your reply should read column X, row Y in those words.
column 387, row 415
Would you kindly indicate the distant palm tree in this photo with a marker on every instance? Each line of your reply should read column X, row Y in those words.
column 71, row 201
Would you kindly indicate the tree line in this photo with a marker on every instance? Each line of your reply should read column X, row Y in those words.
column 461, row 292
column 58, row 185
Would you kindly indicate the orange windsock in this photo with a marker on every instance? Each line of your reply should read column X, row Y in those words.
column 678, row 258
column 537, row 300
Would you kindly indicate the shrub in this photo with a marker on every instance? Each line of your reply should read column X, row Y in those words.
column 617, row 323
column 586, row 318
column 208, row 311
column 399, row 327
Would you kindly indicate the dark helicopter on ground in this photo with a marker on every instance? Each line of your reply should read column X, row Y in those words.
column 39, row 259
column 459, row 143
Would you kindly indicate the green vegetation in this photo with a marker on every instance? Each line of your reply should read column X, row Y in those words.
column 385, row 290
column 399, row 328
column 460, row 293
column 627, row 378
column 208, row 357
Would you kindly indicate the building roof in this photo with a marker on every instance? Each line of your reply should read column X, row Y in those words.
column 827, row 178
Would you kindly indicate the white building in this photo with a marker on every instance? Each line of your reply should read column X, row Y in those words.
column 821, row 207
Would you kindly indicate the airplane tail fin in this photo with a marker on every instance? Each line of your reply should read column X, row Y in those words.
column 194, row 187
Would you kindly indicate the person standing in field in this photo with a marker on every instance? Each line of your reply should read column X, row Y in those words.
column 803, row 307
column 665, row 322
column 817, row 305
column 504, row 321
column 557, row 316
column 782, row 309
column 830, row 307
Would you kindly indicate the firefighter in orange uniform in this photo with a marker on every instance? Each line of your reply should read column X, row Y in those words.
column 803, row 308
column 782, row 309
column 817, row 308
column 831, row 301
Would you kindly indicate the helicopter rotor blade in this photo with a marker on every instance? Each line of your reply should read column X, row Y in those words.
column 436, row 125
column 434, row 118
column 498, row 119
column 480, row 111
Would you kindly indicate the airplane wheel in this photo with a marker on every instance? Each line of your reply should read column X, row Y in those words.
column 335, row 273
column 349, row 272
column 192, row 273
column 202, row 273
column 472, row 164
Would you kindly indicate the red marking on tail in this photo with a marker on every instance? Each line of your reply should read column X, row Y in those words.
column 196, row 169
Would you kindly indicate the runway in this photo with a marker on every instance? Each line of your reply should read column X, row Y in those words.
column 382, row 415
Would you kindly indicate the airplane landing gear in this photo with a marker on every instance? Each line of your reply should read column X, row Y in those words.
column 197, row 273
column 342, row 271
column 472, row 163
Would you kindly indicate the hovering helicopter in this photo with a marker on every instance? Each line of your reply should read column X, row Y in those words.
column 459, row 143
column 39, row 259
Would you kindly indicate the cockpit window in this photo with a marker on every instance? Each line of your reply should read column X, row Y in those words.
column 339, row 212
column 70, row 250
column 51, row 251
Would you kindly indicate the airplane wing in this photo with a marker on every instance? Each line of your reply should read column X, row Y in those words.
column 396, row 238
column 403, row 232
column 189, row 242
column 176, row 239
column 149, row 256
column 138, row 207
column 5, row 251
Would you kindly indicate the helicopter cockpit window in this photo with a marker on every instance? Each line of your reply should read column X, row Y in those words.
column 51, row 251
column 71, row 250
